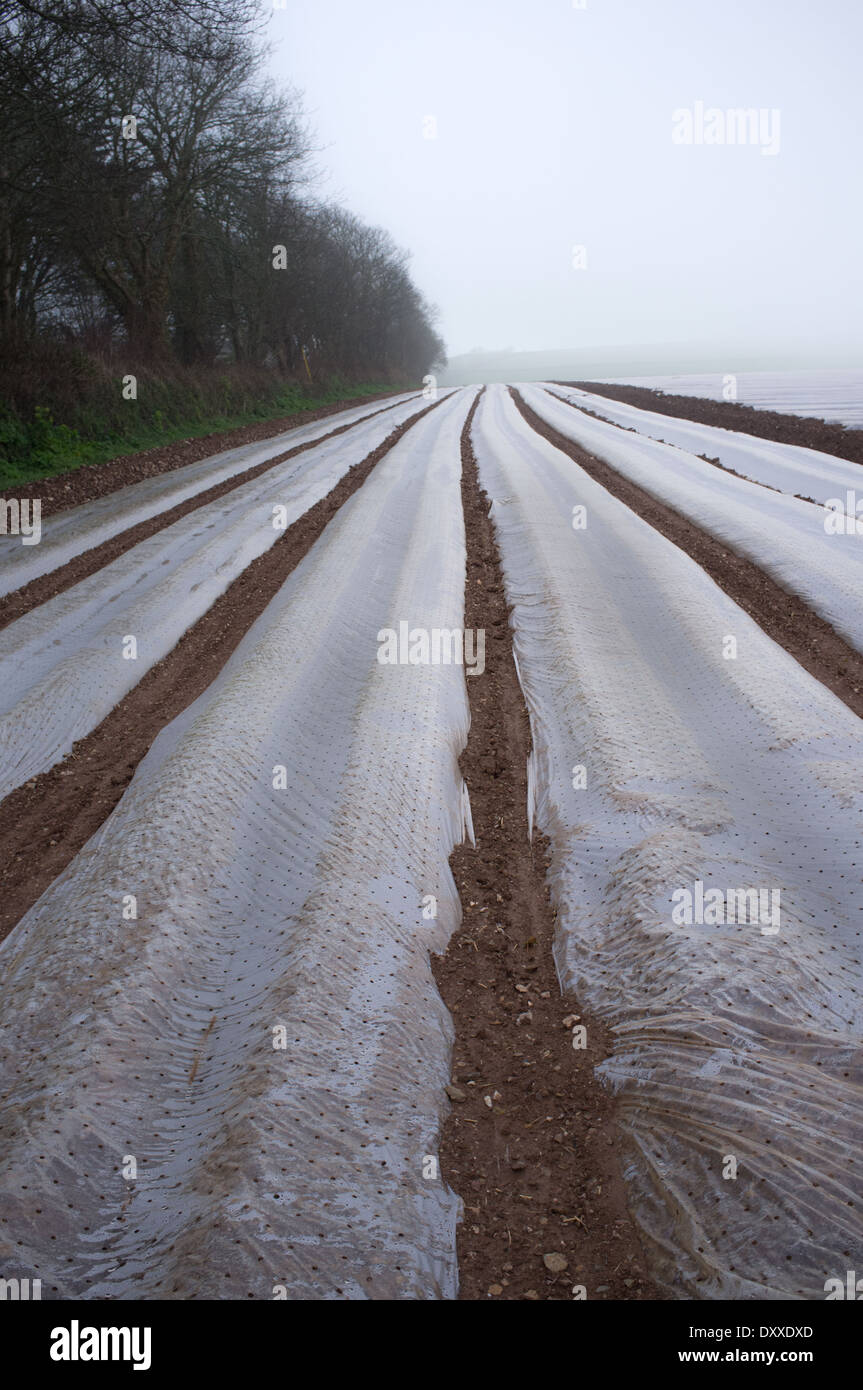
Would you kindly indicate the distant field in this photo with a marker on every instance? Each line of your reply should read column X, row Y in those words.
column 834, row 395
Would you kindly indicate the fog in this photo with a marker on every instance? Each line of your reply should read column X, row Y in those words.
column 585, row 183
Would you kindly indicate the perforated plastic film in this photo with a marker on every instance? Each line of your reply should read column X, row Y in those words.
column 657, row 763
column 261, row 1169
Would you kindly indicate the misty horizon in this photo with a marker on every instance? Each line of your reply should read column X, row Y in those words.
column 596, row 178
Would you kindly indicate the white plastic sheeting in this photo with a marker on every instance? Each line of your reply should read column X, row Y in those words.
column 69, row 533
column 260, row 1169
column 787, row 467
column 728, row 1044
column 783, row 535
column 65, row 663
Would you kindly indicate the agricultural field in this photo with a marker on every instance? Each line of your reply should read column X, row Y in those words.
column 431, row 849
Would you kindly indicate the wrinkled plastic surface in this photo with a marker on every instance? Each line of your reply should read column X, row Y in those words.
column 727, row 1043
column 787, row 467
column 65, row 665
column 261, row 1169
column 782, row 534
column 71, row 532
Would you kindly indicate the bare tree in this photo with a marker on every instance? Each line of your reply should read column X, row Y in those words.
column 145, row 165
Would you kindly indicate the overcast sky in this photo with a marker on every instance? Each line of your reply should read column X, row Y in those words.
column 554, row 130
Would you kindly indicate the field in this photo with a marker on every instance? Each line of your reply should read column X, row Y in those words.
column 431, row 860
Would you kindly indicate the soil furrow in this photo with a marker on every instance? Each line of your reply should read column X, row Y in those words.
column 29, row 596
column 784, row 616
column 531, row 1143
column 46, row 821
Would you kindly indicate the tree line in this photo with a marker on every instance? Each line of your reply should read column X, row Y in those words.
column 155, row 191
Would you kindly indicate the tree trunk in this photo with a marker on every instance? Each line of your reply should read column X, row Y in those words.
column 147, row 330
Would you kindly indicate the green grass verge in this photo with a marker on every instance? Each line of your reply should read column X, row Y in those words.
column 39, row 448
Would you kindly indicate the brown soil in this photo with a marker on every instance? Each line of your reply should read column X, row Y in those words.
column 44, row 823
column 46, row 586
column 783, row 616
column 730, row 415
column 98, row 479
column 538, row 1169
